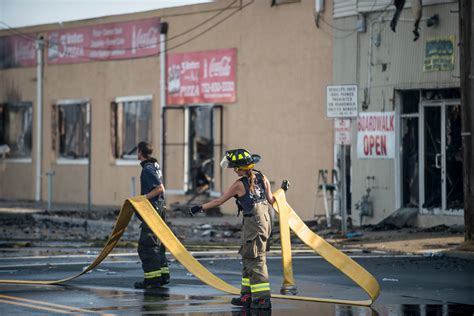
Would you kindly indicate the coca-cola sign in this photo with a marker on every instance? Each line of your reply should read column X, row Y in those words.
column 202, row 77
column 104, row 42
column 17, row 51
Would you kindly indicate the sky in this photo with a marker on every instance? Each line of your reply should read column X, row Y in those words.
column 18, row 13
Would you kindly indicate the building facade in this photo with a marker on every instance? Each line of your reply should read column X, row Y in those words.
column 406, row 149
column 269, row 64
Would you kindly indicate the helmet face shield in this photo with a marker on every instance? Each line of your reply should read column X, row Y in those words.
column 224, row 162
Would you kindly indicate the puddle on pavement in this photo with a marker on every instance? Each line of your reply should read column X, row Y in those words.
column 427, row 310
column 163, row 301
column 202, row 301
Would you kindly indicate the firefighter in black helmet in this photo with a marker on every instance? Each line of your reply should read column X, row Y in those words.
column 253, row 195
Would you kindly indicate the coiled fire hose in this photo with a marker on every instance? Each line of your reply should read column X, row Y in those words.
column 288, row 219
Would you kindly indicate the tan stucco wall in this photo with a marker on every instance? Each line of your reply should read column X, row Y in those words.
column 283, row 66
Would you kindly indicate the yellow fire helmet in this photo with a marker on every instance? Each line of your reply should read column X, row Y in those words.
column 239, row 158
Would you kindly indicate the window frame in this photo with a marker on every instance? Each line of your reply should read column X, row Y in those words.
column 131, row 161
column 71, row 102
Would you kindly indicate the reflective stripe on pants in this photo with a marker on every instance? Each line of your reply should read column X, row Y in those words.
column 152, row 274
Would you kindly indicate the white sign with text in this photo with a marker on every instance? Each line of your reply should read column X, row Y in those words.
column 341, row 101
column 376, row 135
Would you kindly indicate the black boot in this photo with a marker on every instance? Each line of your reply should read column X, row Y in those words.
column 149, row 283
column 244, row 300
column 261, row 303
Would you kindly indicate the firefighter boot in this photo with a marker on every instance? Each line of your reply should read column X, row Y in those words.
column 261, row 303
column 151, row 283
column 244, row 300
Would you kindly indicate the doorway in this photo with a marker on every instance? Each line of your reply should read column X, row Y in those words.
column 431, row 151
column 442, row 157
column 192, row 147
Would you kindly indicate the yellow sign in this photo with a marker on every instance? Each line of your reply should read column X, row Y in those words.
column 439, row 54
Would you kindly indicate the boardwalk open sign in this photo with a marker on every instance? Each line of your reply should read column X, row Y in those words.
column 376, row 135
column 341, row 101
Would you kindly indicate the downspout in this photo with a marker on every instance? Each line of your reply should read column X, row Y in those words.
column 39, row 116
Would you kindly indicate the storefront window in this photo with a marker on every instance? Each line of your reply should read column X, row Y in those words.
column 131, row 123
column 15, row 128
column 73, row 130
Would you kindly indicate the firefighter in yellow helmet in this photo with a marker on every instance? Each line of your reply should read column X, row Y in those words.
column 254, row 197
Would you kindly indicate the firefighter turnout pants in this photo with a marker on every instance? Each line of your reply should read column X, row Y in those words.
column 256, row 230
column 152, row 254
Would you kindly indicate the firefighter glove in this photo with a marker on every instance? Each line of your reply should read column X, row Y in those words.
column 195, row 209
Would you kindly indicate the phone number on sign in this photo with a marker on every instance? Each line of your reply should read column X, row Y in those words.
column 226, row 86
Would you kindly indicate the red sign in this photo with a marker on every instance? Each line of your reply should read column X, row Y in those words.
column 17, row 51
column 202, row 77
column 104, row 42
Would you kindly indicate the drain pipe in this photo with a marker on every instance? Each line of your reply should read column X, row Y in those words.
column 39, row 116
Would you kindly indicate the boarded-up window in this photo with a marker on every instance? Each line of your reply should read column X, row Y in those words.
column 131, row 124
column 16, row 127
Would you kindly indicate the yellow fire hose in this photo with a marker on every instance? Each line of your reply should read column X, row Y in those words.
column 338, row 259
column 335, row 257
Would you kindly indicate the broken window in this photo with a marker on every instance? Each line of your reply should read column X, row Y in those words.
column 72, row 130
column 454, row 158
column 192, row 149
column 15, row 128
column 410, row 163
column 131, row 124
column 201, row 151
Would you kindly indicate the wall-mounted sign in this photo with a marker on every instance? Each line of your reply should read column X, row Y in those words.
column 342, row 131
column 202, row 77
column 341, row 101
column 122, row 40
column 439, row 54
column 17, row 51
column 376, row 135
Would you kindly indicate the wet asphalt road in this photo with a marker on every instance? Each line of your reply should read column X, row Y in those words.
column 410, row 286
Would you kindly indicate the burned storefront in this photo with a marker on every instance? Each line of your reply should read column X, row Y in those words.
column 77, row 97
column 412, row 170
